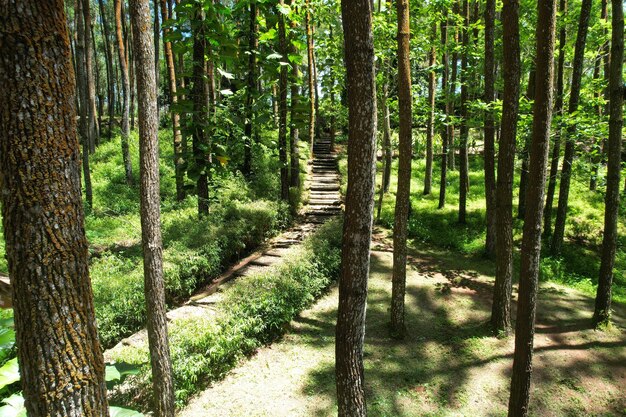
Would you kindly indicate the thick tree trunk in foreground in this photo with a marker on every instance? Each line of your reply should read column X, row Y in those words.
column 616, row 101
column 123, row 59
column 531, row 240
column 152, row 245
column 357, row 228
column 171, row 77
column 430, row 124
column 490, row 130
column 570, row 143
column 282, row 110
column 404, row 172
column 558, row 111
column 311, row 75
column 501, row 307
column 445, row 128
column 464, row 130
column 43, row 218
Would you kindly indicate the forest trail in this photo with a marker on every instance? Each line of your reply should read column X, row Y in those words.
column 448, row 365
column 323, row 202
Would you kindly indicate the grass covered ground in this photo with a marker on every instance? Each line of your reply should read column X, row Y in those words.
column 449, row 365
column 580, row 261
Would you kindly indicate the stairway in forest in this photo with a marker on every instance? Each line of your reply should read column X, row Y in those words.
column 324, row 202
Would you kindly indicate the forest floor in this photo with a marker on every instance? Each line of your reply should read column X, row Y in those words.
column 449, row 364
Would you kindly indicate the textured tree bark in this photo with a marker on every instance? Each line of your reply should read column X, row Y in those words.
column 386, row 137
column 531, row 240
column 200, row 98
column 452, row 95
column 430, row 124
column 616, row 102
column 83, row 92
column 464, row 129
column 501, row 306
column 570, row 143
column 357, row 228
column 157, row 35
column 178, row 139
column 294, row 132
column 558, row 111
column 523, row 182
column 282, row 110
column 312, row 88
column 490, row 130
column 253, row 45
column 92, row 121
column 59, row 354
column 154, row 287
column 445, row 128
column 404, row 171
column 123, row 59
column 106, row 33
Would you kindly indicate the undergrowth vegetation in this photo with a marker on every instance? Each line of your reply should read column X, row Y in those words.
column 254, row 312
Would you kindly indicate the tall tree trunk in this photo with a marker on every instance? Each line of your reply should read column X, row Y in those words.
column 178, row 140
column 570, row 143
column 200, row 98
column 445, row 128
column 43, row 217
column 92, row 122
column 616, row 102
column 357, row 226
column 98, row 86
column 531, row 240
column 152, row 245
column 294, row 133
column 157, row 35
column 404, row 171
column 106, row 31
column 523, row 182
column 430, row 124
column 490, row 130
column 558, row 111
column 312, row 88
column 333, row 118
column 253, row 45
column 386, row 136
column 464, row 130
column 282, row 110
column 317, row 87
column 452, row 94
column 83, row 92
column 501, row 307
column 123, row 59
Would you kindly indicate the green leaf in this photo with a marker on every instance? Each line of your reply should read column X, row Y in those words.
column 122, row 412
column 111, row 373
column 9, row 373
column 225, row 74
column 14, row 406
column 274, row 56
column 226, row 92
column 7, row 338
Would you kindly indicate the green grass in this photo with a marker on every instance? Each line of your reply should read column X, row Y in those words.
column 579, row 263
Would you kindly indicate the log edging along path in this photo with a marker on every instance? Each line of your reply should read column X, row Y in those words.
column 323, row 202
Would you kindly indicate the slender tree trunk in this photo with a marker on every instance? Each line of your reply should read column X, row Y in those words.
column 282, row 110
column 357, row 227
column 333, row 118
column 294, row 133
column 312, row 88
column 558, row 110
column 157, row 35
column 253, row 45
column 570, row 144
column 106, row 31
column 92, row 121
column 523, row 182
column 131, row 60
column 501, row 307
column 43, row 217
column 445, row 128
column 386, row 137
column 490, row 130
column 154, row 287
column 430, row 125
column 464, row 130
column 178, row 140
column 316, row 84
column 531, row 240
column 200, row 98
column 616, row 102
column 83, row 91
column 452, row 95
column 98, row 85
column 404, row 172
column 123, row 59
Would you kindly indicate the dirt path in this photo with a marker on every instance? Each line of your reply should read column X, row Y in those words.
column 448, row 366
column 323, row 202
